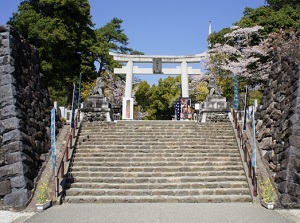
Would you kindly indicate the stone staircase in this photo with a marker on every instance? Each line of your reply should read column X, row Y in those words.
column 156, row 161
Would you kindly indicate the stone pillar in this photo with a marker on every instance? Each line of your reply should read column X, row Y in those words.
column 184, row 80
column 128, row 84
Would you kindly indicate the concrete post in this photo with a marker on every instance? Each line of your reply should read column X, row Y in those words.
column 128, row 85
column 184, row 79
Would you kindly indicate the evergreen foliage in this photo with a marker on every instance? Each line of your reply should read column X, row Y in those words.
column 63, row 32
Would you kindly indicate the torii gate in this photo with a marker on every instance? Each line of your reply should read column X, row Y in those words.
column 157, row 68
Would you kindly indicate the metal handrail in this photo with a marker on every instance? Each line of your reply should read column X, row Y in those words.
column 245, row 146
column 64, row 164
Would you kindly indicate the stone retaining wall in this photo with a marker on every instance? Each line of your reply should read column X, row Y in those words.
column 278, row 126
column 24, row 118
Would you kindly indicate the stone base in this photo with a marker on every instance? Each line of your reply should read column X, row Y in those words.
column 97, row 116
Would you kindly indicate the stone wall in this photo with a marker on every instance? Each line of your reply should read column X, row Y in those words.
column 278, row 125
column 24, row 118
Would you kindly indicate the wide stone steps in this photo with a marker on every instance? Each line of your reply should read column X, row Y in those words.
column 83, row 175
column 160, row 180
column 176, row 185
column 154, row 159
column 156, row 162
column 156, row 192
column 140, row 152
column 146, row 164
column 159, row 154
column 160, row 199
column 155, row 168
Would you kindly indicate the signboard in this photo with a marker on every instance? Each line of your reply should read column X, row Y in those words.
column 186, row 109
column 127, row 108
column 157, row 66
column 52, row 133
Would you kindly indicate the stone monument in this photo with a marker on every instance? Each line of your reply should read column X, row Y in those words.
column 215, row 107
column 96, row 106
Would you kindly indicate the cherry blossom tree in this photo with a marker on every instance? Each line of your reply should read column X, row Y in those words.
column 244, row 54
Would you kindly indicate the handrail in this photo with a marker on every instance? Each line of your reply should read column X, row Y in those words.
column 245, row 146
column 64, row 164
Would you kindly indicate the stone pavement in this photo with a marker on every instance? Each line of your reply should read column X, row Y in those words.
column 162, row 213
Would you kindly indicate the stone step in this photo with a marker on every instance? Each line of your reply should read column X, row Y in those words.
column 147, row 164
column 155, row 192
column 155, row 168
column 151, row 141
column 83, row 174
column 159, row 199
column 157, row 180
column 163, row 139
column 120, row 155
column 153, row 131
column 151, row 124
column 183, row 143
column 154, row 159
column 153, row 186
column 155, row 152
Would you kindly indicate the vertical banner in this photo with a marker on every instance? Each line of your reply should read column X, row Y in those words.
column 253, row 161
column 236, row 92
column 79, row 92
column 177, row 110
column 245, row 109
column 73, row 107
column 186, row 108
column 52, row 132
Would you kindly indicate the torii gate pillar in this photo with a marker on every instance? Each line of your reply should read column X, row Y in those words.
column 128, row 84
column 184, row 80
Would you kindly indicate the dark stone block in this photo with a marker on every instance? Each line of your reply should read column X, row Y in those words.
column 12, row 147
column 281, row 187
column 296, row 178
column 289, row 201
column 5, row 187
column 8, row 171
column 11, row 158
column 7, row 91
column 19, row 197
column 294, row 141
column 8, row 112
column 7, row 79
column 19, row 182
column 281, row 176
column 9, row 124
column 14, row 135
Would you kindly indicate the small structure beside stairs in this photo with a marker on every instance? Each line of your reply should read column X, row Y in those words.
column 96, row 107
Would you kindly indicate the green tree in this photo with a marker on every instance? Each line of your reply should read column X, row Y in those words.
column 163, row 98
column 278, row 4
column 62, row 31
column 272, row 20
column 111, row 37
column 142, row 95
column 201, row 92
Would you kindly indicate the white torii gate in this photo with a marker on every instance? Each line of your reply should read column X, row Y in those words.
column 157, row 68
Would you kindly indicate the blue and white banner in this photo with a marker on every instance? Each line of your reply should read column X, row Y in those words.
column 79, row 92
column 253, row 161
column 236, row 92
column 52, row 132
column 73, row 107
